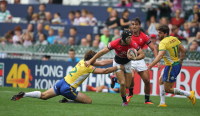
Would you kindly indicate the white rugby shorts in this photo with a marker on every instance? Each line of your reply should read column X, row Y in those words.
column 127, row 66
column 138, row 65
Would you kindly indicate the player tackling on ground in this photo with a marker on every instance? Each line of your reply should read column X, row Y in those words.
column 121, row 47
column 67, row 86
column 168, row 49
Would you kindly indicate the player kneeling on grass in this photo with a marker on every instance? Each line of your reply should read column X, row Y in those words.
column 67, row 86
column 168, row 49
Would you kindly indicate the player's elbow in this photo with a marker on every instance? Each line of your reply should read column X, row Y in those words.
column 89, row 101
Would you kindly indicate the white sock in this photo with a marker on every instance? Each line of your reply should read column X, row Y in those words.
column 35, row 94
column 162, row 94
column 181, row 92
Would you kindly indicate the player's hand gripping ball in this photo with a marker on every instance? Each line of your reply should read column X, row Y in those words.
column 133, row 52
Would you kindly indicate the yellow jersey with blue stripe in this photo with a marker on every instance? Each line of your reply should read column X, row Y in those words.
column 78, row 74
column 170, row 45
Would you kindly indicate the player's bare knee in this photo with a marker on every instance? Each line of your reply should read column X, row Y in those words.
column 44, row 96
column 146, row 81
column 122, row 83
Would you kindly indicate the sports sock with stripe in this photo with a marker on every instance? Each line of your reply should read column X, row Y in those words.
column 181, row 92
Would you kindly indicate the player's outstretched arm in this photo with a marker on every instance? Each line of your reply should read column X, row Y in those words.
column 103, row 62
column 108, row 70
column 155, row 52
column 157, row 59
column 182, row 53
column 96, row 56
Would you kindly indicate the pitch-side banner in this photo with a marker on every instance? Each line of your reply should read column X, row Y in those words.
column 44, row 74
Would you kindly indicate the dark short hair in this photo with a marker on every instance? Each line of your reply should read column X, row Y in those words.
column 58, row 13
column 89, row 54
column 47, row 56
column 71, row 50
column 164, row 28
column 71, row 11
column 31, row 6
column 195, row 41
column 78, row 11
column 137, row 20
column 43, row 5
column 126, row 10
column 73, row 28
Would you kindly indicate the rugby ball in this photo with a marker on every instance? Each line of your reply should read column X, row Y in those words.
column 133, row 52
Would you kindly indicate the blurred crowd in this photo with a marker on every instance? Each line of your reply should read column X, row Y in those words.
column 186, row 28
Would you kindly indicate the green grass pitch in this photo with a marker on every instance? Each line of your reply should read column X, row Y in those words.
column 103, row 104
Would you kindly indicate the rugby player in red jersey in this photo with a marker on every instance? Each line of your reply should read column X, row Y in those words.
column 140, row 66
column 121, row 47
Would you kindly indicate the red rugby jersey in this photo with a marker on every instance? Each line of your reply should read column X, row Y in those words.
column 142, row 40
column 120, row 50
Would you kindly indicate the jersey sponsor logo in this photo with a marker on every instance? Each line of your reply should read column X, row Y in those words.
column 172, row 41
column 123, row 53
column 140, row 39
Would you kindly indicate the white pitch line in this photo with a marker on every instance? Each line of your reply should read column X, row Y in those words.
column 9, row 91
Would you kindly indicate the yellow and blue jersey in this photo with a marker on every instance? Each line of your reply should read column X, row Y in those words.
column 170, row 44
column 78, row 74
